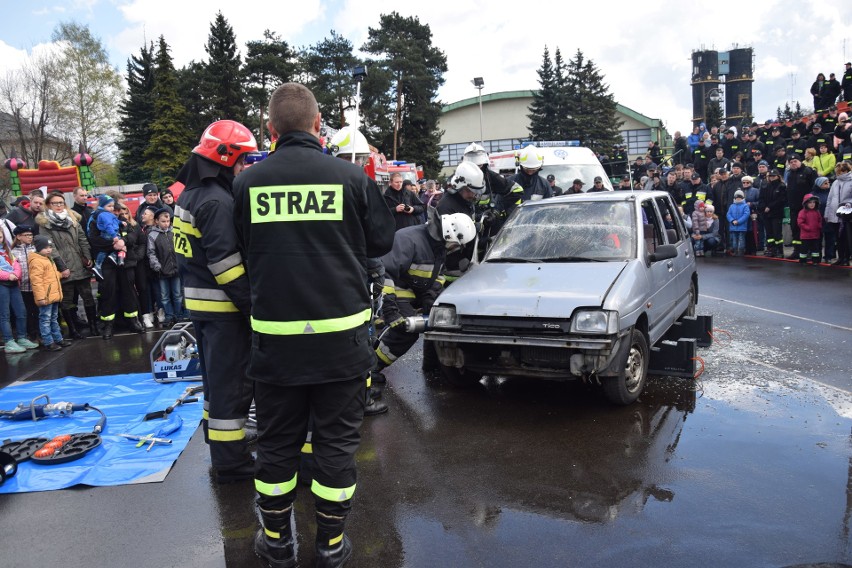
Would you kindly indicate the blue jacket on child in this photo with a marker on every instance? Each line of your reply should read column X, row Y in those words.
column 739, row 212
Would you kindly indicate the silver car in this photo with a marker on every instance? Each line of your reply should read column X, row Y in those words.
column 575, row 287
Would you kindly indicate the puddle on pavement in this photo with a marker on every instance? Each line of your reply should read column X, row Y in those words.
column 753, row 469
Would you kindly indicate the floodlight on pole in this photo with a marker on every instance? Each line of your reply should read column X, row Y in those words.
column 479, row 84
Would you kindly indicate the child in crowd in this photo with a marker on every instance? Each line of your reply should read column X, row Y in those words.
column 21, row 250
column 47, row 292
column 738, row 215
column 106, row 219
column 700, row 225
column 822, row 185
column 810, row 230
column 11, row 301
column 163, row 261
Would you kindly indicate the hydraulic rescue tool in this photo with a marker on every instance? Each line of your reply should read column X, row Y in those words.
column 62, row 448
column 185, row 398
column 175, row 356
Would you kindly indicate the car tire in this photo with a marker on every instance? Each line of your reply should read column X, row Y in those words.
column 625, row 388
column 459, row 377
column 693, row 300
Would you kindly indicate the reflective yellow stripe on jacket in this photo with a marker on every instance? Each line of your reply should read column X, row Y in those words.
column 304, row 327
column 208, row 300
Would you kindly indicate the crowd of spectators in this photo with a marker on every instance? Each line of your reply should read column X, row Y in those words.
column 130, row 257
column 780, row 170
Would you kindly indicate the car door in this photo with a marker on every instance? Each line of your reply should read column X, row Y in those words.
column 661, row 296
column 676, row 234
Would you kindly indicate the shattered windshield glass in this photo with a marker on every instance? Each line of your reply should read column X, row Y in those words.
column 574, row 231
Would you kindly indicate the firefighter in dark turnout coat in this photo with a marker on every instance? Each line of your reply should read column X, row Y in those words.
column 216, row 290
column 308, row 222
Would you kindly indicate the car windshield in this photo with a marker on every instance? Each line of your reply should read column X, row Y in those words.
column 565, row 175
column 570, row 231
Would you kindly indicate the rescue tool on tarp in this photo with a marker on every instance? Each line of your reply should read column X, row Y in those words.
column 60, row 449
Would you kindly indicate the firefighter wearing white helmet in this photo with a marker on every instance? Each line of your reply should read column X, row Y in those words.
column 348, row 140
column 466, row 189
column 534, row 186
column 413, row 276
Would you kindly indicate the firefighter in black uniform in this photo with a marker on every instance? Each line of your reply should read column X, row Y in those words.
column 308, row 222
column 217, row 291
column 800, row 182
column 466, row 187
column 412, row 276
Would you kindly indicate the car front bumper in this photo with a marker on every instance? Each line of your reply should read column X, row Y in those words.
column 565, row 357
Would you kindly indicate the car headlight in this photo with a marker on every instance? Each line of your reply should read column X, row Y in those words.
column 594, row 321
column 443, row 317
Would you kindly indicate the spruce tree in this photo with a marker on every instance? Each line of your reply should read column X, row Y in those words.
column 170, row 136
column 269, row 63
column 590, row 110
column 328, row 65
column 543, row 110
column 560, row 83
column 416, row 69
column 194, row 93
column 222, row 73
column 713, row 114
column 137, row 114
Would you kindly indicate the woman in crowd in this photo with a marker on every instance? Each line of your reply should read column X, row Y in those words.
column 73, row 258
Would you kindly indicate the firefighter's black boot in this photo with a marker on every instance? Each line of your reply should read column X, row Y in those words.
column 274, row 543
column 92, row 316
column 73, row 333
column 106, row 334
column 333, row 547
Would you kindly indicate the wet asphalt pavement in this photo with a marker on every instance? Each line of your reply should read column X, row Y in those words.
column 751, row 465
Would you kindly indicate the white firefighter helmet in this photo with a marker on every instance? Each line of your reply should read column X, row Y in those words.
column 476, row 154
column 530, row 158
column 458, row 228
column 469, row 176
column 348, row 140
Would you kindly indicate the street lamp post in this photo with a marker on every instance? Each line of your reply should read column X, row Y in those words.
column 479, row 83
column 359, row 74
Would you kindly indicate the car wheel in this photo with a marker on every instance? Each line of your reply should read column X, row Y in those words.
column 627, row 386
column 459, row 377
column 693, row 299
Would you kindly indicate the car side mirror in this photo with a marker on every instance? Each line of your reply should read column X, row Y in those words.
column 663, row 252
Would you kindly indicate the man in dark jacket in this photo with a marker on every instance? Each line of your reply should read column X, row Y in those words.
column 772, row 201
column 404, row 204
column 308, row 222
column 26, row 210
column 151, row 195
column 800, row 181
column 846, row 83
column 81, row 205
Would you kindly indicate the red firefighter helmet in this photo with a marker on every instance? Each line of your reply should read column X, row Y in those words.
column 224, row 141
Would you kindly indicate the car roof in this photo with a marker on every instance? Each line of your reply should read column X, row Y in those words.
column 608, row 196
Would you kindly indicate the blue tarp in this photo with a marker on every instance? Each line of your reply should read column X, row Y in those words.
column 125, row 399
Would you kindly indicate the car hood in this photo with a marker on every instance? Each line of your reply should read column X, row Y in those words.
column 531, row 290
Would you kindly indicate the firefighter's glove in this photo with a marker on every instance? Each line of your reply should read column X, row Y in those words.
column 399, row 321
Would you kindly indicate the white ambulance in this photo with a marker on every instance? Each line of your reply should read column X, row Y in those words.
column 565, row 163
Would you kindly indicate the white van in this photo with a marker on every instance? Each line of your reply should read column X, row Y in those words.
column 566, row 163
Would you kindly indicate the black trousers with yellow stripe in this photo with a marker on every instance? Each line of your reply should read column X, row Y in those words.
column 396, row 342
column 336, row 410
column 223, row 348
column 116, row 292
